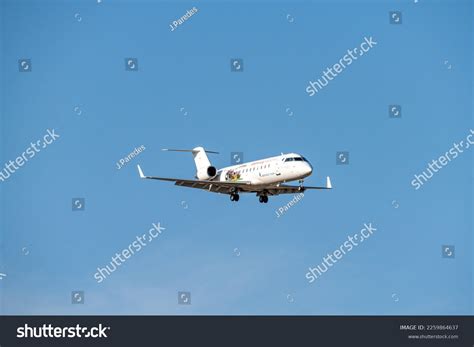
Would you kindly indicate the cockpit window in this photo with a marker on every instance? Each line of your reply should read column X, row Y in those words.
column 295, row 159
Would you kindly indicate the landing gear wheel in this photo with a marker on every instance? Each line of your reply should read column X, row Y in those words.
column 234, row 197
column 265, row 199
column 260, row 198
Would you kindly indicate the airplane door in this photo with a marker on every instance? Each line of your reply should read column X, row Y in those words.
column 277, row 169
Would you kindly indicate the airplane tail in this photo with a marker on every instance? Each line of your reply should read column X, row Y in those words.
column 204, row 169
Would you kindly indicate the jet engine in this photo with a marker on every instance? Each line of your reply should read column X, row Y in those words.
column 211, row 172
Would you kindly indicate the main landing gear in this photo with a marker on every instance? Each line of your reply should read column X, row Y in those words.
column 234, row 197
column 263, row 199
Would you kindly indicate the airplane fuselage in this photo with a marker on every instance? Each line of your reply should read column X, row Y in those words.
column 274, row 170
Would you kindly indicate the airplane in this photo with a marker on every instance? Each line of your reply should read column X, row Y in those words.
column 265, row 177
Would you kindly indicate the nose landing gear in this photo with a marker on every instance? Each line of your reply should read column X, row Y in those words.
column 234, row 197
column 263, row 199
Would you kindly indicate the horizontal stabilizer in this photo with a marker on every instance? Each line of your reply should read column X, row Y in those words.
column 186, row 150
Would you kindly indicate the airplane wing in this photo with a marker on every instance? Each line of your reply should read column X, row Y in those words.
column 227, row 187
column 213, row 186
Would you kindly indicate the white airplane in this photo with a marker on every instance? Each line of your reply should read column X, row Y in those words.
column 264, row 177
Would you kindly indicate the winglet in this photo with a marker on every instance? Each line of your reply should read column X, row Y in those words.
column 328, row 183
column 140, row 172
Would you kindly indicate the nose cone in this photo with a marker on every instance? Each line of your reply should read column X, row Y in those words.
column 308, row 169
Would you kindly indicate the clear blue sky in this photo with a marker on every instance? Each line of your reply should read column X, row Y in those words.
column 399, row 270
